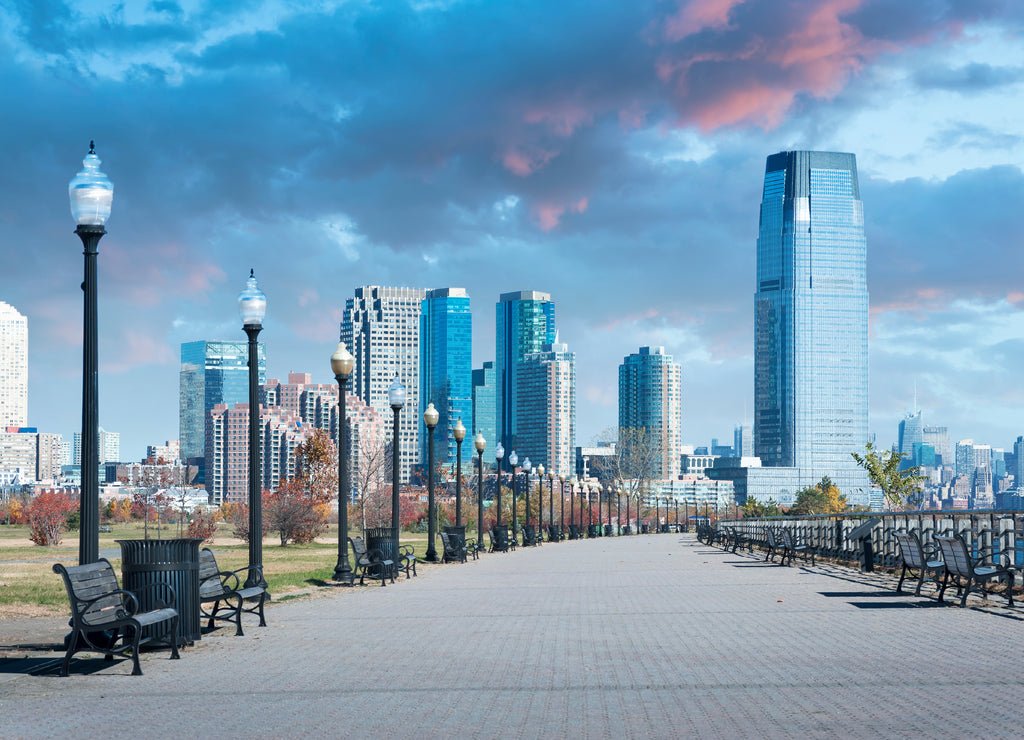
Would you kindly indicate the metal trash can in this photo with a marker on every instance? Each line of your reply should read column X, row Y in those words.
column 382, row 538
column 609, row 530
column 173, row 562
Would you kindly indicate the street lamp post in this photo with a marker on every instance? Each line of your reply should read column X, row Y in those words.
column 540, row 503
column 499, row 453
column 618, row 509
column 513, row 461
column 480, row 444
column 91, row 194
column 628, row 514
column 252, row 307
column 572, row 501
column 608, row 500
column 342, row 363
column 430, row 417
column 396, row 398
column 526, row 489
column 459, row 432
column 590, row 521
column 561, row 516
column 551, row 501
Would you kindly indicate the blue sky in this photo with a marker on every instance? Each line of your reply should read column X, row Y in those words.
column 610, row 153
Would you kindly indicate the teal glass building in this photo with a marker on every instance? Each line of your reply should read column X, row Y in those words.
column 525, row 323
column 211, row 373
column 484, row 403
column 446, row 371
column 811, row 318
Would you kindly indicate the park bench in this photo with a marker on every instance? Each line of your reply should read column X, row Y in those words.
column 499, row 539
column 917, row 557
column 224, row 589
column 772, row 544
column 975, row 572
column 407, row 560
column 792, row 547
column 371, row 563
column 554, row 533
column 736, row 538
column 455, row 550
column 574, row 532
column 102, row 613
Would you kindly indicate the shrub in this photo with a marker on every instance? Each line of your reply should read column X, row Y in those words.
column 47, row 517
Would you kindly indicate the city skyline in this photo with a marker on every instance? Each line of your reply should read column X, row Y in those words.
column 611, row 167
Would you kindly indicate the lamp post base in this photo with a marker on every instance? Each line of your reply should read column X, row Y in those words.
column 343, row 574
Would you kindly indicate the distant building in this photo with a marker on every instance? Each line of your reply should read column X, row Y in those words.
column 651, row 403
column 33, row 455
column 13, row 367
column 212, row 373
column 169, row 451
column 109, row 449
column 381, row 327
column 596, row 461
column 485, row 397
column 911, row 432
column 743, row 441
column 446, row 371
column 546, row 410
column 524, row 324
column 938, row 437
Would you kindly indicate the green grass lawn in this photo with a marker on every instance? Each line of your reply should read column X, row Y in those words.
column 29, row 587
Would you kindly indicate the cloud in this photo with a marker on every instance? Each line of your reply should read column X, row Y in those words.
column 970, row 78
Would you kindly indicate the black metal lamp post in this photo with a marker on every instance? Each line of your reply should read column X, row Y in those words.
column 561, row 516
column 618, row 509
column 499, row 453
column 459, row 432
column 572, row 501
column 629, row 520
column 540, row 502
column 589, row 489
column 342, row 363
column 396, row 398
column 480, row 444
column 252, row 307
column 551, row 499
column 430, row 417
column 91, row 194
column 526, row 486
column 513, row 461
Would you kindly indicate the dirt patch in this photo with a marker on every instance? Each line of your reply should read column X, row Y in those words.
column 19, row 611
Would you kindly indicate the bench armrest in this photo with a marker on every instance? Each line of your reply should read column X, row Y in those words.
column 228, row 579
column 129, row 606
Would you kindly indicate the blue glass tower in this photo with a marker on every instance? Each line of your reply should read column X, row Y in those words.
column 484, row 402
column 811, row 318
column 525, row 323
column 211, row 373
column 446, row 370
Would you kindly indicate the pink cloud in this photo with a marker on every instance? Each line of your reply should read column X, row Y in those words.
column 562, row 119
column 526, row 163
column 697, row 15
column 764, row 77
column 549, row 215
column 137, row 349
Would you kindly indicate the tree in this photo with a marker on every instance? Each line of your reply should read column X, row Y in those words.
column 884, row 471
column 202, row 524
column 298, row 510
column 823, row 498
column 755, row 509
column 371, row 470
column 47, row 517
column 637, row 459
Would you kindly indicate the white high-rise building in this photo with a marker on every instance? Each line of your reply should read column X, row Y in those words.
column 110, row 447
column 651, row 400
column 13, row 367
column 381, row 328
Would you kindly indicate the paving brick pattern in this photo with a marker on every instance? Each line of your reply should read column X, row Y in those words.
column 644, row 636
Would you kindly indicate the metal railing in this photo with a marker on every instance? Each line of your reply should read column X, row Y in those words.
column 996, row 531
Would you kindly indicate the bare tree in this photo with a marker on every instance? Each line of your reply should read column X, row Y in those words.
column 371, row 471
column 632, row 468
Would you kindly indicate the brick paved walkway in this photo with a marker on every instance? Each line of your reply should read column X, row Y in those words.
column 648, row 636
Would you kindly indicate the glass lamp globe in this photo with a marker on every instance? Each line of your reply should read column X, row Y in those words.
column 527, row 465
column 396, row 393
column 499, row 452
column 513, row 458
column 91, row 192
column 430, row 416
column 480, row 443
column 252, row 304
column 459, row 431
column 342, row 361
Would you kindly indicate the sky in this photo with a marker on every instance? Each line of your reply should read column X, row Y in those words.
column 609, row 153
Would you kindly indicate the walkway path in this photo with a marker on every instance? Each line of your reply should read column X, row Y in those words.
column 648, row 636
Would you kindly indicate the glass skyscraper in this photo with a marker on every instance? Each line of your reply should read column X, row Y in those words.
column 525, row 323
column 446, row 371
column 211, row 373
column 811, row 318
column 651, row 399
column 546, row 413
column 484, row 402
